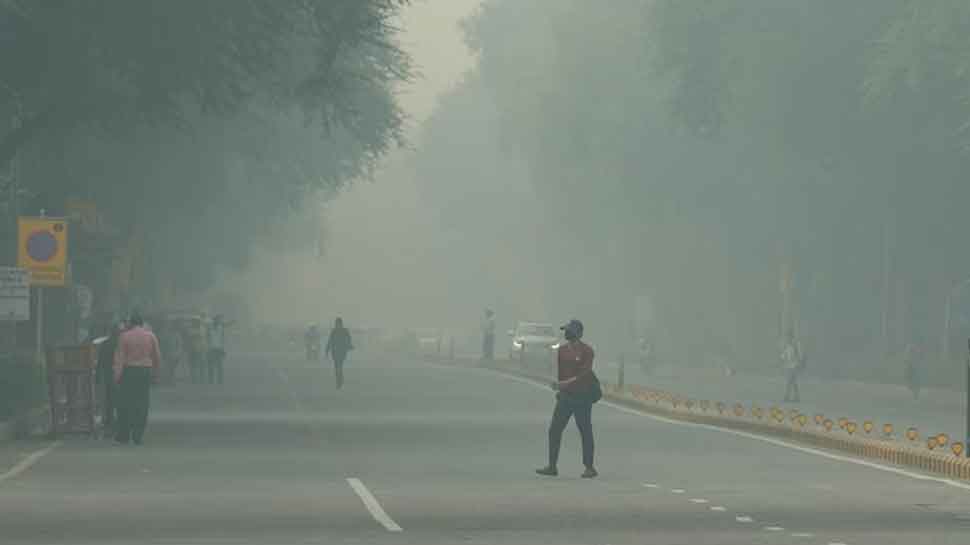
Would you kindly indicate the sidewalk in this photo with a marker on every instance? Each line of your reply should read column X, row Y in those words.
column 936, row 410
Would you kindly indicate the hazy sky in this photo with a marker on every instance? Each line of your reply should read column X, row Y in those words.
column 432, row 35
column 373, row 272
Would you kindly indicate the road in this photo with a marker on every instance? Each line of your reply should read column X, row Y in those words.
column 445, row 456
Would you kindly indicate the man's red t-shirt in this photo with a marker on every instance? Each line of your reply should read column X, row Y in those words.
column 576, row 360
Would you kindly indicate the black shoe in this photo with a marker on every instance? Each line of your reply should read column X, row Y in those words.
column 590, row 473
column 548, row 471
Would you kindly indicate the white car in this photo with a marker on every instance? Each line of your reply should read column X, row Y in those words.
column 429, row 341
column 533, row 339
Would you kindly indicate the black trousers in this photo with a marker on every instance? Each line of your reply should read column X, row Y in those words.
column 107, row 402
column 214, row 361
column 582, row 411
column 338, row 369
column 132, row 403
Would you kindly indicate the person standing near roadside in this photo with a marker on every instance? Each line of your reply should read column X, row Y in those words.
column 578, row 389
column 216, row 355
column 793, row 363
column 198, row 348
column 488, row 336
column 105, row 373
column 137, row 364
column 339, row 344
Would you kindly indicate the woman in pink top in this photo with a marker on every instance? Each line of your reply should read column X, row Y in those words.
column 136, row 365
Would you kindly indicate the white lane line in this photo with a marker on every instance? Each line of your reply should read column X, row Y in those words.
column 372, row 505
column 28, row 462
column 651, row 485
column 763, row 439
column 744, row 519
column 773, row 529
column 699, row 501
column 836, row 543
column 718, row 508
column 678, row 491
column 803, row 534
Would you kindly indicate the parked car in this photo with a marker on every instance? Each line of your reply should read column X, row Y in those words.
column 533, row 339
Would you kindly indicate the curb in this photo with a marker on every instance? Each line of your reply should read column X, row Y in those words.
column 846, row 436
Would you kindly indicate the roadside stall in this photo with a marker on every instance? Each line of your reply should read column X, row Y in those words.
column 72, row 390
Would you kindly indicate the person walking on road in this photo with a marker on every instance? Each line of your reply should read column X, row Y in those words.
column 793, row 362
column 137, row 364
column 216, row 354
column 105, row 373
column 339, row 344
column 198, row 348
column 578, row 389
column 311, row 340
column 488, row 336
column 170, row 337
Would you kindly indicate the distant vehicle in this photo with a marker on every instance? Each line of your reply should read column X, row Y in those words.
column 429, row 341
column 533, row 339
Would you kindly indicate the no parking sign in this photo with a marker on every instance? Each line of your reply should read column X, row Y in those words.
column 42, row 250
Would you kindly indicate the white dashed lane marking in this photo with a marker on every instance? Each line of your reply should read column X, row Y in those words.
column 651, row 485
column 718, row 508
column 744, row 519
column 678, row 491
column 774, row 529
column 805, row 535
column 372, row 505
column 699, row 501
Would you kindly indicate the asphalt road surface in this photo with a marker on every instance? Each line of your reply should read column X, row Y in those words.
column 412, row 453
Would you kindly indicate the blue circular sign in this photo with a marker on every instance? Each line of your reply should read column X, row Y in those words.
column 41, row 246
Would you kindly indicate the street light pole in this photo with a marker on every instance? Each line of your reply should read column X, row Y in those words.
column 967, row 406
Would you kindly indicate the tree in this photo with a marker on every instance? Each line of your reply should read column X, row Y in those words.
column 713, row 141
column 74, row 63
column 205, row 124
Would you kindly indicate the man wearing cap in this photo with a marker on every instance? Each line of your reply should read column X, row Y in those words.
column 578, row 389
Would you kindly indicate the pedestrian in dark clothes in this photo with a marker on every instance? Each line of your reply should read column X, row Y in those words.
column 339, row 344
column 578, row 389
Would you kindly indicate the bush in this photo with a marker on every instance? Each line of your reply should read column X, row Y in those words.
column 22, row 385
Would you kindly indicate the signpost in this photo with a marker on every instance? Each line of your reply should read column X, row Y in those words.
column 42, row 250
column 14, row 294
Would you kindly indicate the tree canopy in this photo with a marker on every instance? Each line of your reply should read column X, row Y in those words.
column 704, row 146
column 200, row 123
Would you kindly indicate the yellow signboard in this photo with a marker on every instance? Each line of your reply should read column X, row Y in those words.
column 42, row 250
